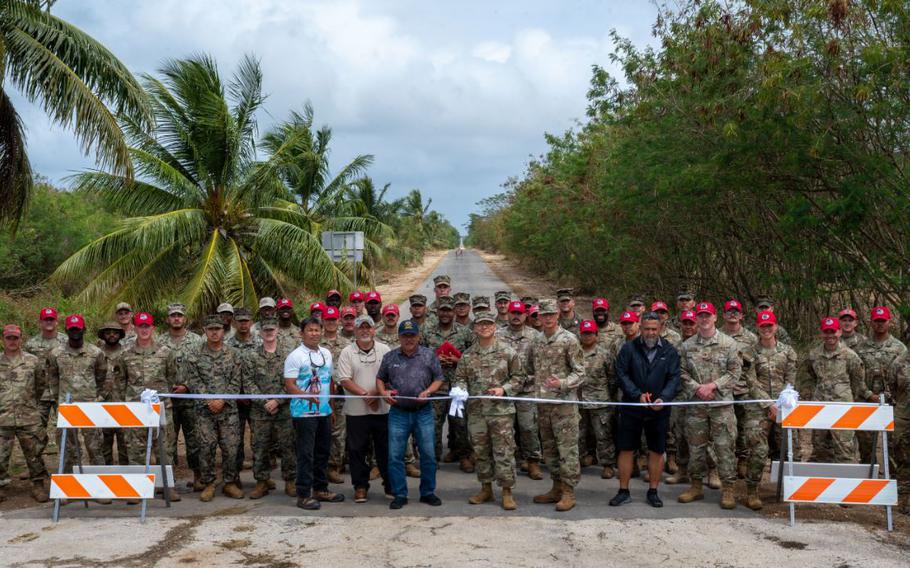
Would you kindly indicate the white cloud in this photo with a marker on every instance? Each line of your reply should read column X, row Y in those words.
column 492, row 51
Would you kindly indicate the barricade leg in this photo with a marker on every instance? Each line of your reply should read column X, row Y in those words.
column 790, row 472
column 886, row 465
column 60, row 469
column 148, row 467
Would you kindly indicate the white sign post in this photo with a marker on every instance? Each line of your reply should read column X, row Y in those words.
column 344, row 245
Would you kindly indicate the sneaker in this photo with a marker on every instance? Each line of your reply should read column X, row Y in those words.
column 308, row 503
column 360, row 495
column 431, row 500
column 654, row 499
column 622, row 497
column 398, row 502
column 328, row 496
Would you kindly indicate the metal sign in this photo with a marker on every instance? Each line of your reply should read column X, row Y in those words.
column 343, row 245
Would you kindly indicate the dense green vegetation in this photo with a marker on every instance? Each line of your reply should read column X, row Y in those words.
column 761, row 148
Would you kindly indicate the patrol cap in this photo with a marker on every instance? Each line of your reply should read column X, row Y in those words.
column 123, row 306
column 143, row 318
column 764, row 302
column 330, row 313
column 76, row 321
column 830, row 324
column 847, row 313
column 284, row 303
column 47, row 313
column 685, row 294
column 108, row 326
column 408, row 327
column 636, row 299
column 390, row 309
column 355, row 296
column 733, row 306
column 333, row 294
column 442, row 280
column 374, row 296
column 705, row 308
column 588, row 326
column 480, row 302
column 445, row 302
column 628, row 317
column 687, row 315
column 658, row 306
column 881, row 313
column 267, row 302
column 502, row 296
column 225, row 307
column 364, row 319
column 268, row 323
column 213, row 320
column 548, row 307
column 462, row 298
column 11, row 330
column 529, row 300
column 600, row 304
column 484, row 316
column 243, row 314
column 534, row 311
column 418, row 300
column 565, row 294
column 765, row 317
column 176, row 309
column 348, row 311
column 517, row 307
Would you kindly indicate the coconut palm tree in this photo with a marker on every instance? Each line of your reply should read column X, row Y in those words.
column 207, row 221
column 77, row 82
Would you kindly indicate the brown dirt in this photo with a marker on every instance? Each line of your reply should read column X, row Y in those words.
column 395, row 287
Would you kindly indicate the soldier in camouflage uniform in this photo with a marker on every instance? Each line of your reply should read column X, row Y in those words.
column 877, row 353
column 245, row 340
column 710, row 366
column 899, row 386
column 833, row 372
column 263, row 373
column 417, row 305
column 598, row 360
column 519, row 337
column 124, row 315
column 502, row 299
column 568, row 318
column 745, row 339
column 765, row 303
column 636, row 304
column 181, row 341
column 556, row 364
column 480, row 304
column 388, row 333
column 110, row 341
column 492, row 368
column 462, row 308
column 40, row 346
column 677, row 446
column 529, row 301
column 21, row 386
column 334, row 342
column 215, row 368
column 607, row 331
column 685, row 301
column 442, row 286
column 288, row 329
column 849, row 336
column 666, row 332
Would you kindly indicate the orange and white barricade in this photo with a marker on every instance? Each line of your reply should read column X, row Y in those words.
column 840, row 484
column 111, row 485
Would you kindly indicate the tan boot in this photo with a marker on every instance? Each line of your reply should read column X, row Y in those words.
column 39, row 492
column 208, row 493
column 671, row 467
column 567, row 501
column 270, row 483
column 741, row 466
column 607, row 473
column 753, row 501
column 695, row 492
column 232, row 490
column 173, row 496
column 587, row 461
column 508, row 502
column 713, row 479
column 484, row 496
column 290, row 488
column 534, row 470
column 466, row 465
column 260, row 491
column 523, row 466
column 727, row 498
column 449, row 457
column 412, row 470
column 333, row 475
column 551, row 496
column 681, row 476
column 374, row 473
column 197, row 482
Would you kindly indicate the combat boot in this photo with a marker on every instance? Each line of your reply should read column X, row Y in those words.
column 39, row 491
column 466, row 465
column 173, row 496
column 270, row 483
column 208, row 493
column 333, row 476
column 290, row 488
column 681, row 476
column 484, row 496
column 551, row 496
column 197, row 482
column 449, row 457
column 713, row 479
column 695, row 492
column 523, row 466
column 671, row 467
column 508, row 502
column 727, row 498
column 753, row 501
column 567, row 501
column 741, row 466
column 232, row 490
column 411, row 470
column 260, row 491
column 587, row 461
column 534, row 470
column 608, row 472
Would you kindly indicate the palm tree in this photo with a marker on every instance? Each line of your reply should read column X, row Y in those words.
column 207, row 221
column 78, row 83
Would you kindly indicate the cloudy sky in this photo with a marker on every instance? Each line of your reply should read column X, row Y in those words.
column 450, row 97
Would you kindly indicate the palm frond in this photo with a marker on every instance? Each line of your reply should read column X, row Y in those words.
column 15, row 169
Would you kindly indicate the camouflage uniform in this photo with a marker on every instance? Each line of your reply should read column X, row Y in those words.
column 339, row 431
column 558, row 355
column 608, row 333
column 772, row 369
column 108, row 435
column 490, row 421
column 21, row 387
column 153, row 367
column 672, row 336
column 877, row 358
column 184, row 410
column 82, row 374
column 243, row 346
column 263, row 374
column 854, row 340
column 390, row 339
column 40, row 347
column 836, row 376
column 599, row 418
column 461, row 337
column 750, row 413
column 525, row 412
column 570, row 324
column 204, row 371
column 899, row 385
column 715, row 360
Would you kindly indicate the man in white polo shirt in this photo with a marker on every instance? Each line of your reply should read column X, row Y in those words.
column 367, row 419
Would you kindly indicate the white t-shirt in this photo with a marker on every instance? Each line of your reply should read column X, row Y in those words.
column 361, row 367
column 312, row 369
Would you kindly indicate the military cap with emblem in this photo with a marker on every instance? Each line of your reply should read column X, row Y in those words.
column 213, row 320
column 418, row 300
column 442, row 279
column 480, row 302
column 484, row 316
column 548, row 306
column 445, row 302
column 565, row 294
column 503, row 296
column 461, row 298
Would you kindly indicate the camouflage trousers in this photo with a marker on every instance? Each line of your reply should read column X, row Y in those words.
column 137, row 440
column 337, row 454
column 243, row 424
column 754, row 427
column 108, row 436
column 864, row 441
column 676, row 438
column 30, row 441
column 45, row 407
column 91, row 441
column 458, row 440
column 900, row 455
column 599, row 423
column 833, row 446
column 707, row 426
column 559, row 440
column 740, row 411
column 493, row 439
column 215, row 431
column 267, row 432
column 185, row 420
column 527, row 430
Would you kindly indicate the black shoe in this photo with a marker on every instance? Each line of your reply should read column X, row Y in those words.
column 622, row 497
column 308, row 503
column 654, row 499
column 398, row 502
column 431, row 500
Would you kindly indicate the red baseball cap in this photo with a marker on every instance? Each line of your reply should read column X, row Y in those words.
column 317, row 307
column 74, row 321
column 628, row 317
column 330, row 313
column 600, row 304
column 830, row 323
column 11, row 329
column 284, row 303
column 705, row 307
column 143, row 318
column 765, row 317
column 331, row 293
column 48, row 313
column 390, row 309
column 355, row 296
column 518, row 307
column 588, row 326
column 847, row 312
column 687, row 315
column 881, row 313
column 348, row 311
column 374, row 296
column 659, row 306
column 534, row 310
column 731, row 305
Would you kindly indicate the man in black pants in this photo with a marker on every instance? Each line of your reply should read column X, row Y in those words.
column 647, row 370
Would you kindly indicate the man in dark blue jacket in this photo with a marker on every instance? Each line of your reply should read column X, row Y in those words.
column 647, row 370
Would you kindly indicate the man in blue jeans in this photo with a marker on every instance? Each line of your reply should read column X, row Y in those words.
column 408, row 372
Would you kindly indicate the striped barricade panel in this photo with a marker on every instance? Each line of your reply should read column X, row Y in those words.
column 840, row 491
column 102, row 486
column 829, row 416
column 109, row 415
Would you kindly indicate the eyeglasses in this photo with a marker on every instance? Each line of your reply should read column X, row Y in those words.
column 315, row 365
column 367, row 357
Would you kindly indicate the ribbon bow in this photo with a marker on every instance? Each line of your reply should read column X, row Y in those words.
column 150, row 397
column 788, row 399
column 459, row 397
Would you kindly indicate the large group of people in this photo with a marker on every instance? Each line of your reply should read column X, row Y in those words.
column 396, row 373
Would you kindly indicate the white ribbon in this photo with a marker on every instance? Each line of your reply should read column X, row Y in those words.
column 459, row 396
column 788, row 399
column 150, row 397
